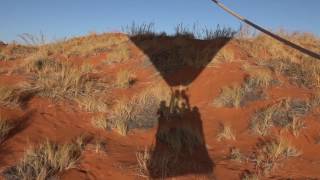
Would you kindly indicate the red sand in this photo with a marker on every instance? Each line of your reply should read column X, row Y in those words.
column 62, row 121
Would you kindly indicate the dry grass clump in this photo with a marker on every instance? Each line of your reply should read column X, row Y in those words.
column 46, row 161
column 296, row 125
column 13, row 96
column 271, row 152
column 285, row 114
column 236, row 155
column 144, row 159
column 5, row 128
column 100, row 121
column 157, row 165
column 230, row 97
column 149, row 165
column 252, row 89
column 8, row 96
column 237, row 96
column 140, row 111
column 125, row 79
column 259, row 77
column 91, row 103
column 58, row 79
column 38, row 61
column 64, row 81
column 225, row 133
column 304, row 73
column 122, row 114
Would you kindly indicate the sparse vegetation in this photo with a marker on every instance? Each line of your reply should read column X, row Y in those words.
column 283, row 114
column 225, row 133
column 250, row 90
column 46, row 161
column 296, row 125
column 236, row 155
column 140, row 111
column 62, row 81
column 144, row 160
column 230, row 97
column 259, row 77
column 269, row 153
column 58, row 79
column 62, row 70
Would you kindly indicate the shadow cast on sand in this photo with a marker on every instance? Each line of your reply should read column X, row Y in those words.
column 180, row 147
column 179, row 59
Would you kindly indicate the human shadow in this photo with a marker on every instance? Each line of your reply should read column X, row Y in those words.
column 180, row 147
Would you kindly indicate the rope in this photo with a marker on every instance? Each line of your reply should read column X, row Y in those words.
column 285, row 41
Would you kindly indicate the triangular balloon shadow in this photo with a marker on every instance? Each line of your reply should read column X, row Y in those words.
column 179, row 59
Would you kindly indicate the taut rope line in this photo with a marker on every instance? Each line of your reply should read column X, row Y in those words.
column 285, row 41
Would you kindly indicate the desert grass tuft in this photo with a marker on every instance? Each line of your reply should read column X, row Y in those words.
column 100, row 121
column 91, row 103
column 140, row 111
column 236, row 155
column 46, row 161
column 296, row 126
column 259, row 77
column 66, row 81
column 271, row 152
column 225, row 133
column 144, row 159
column 287, row 113
column 149, row 164
column 230, row 97
column 125, row 79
